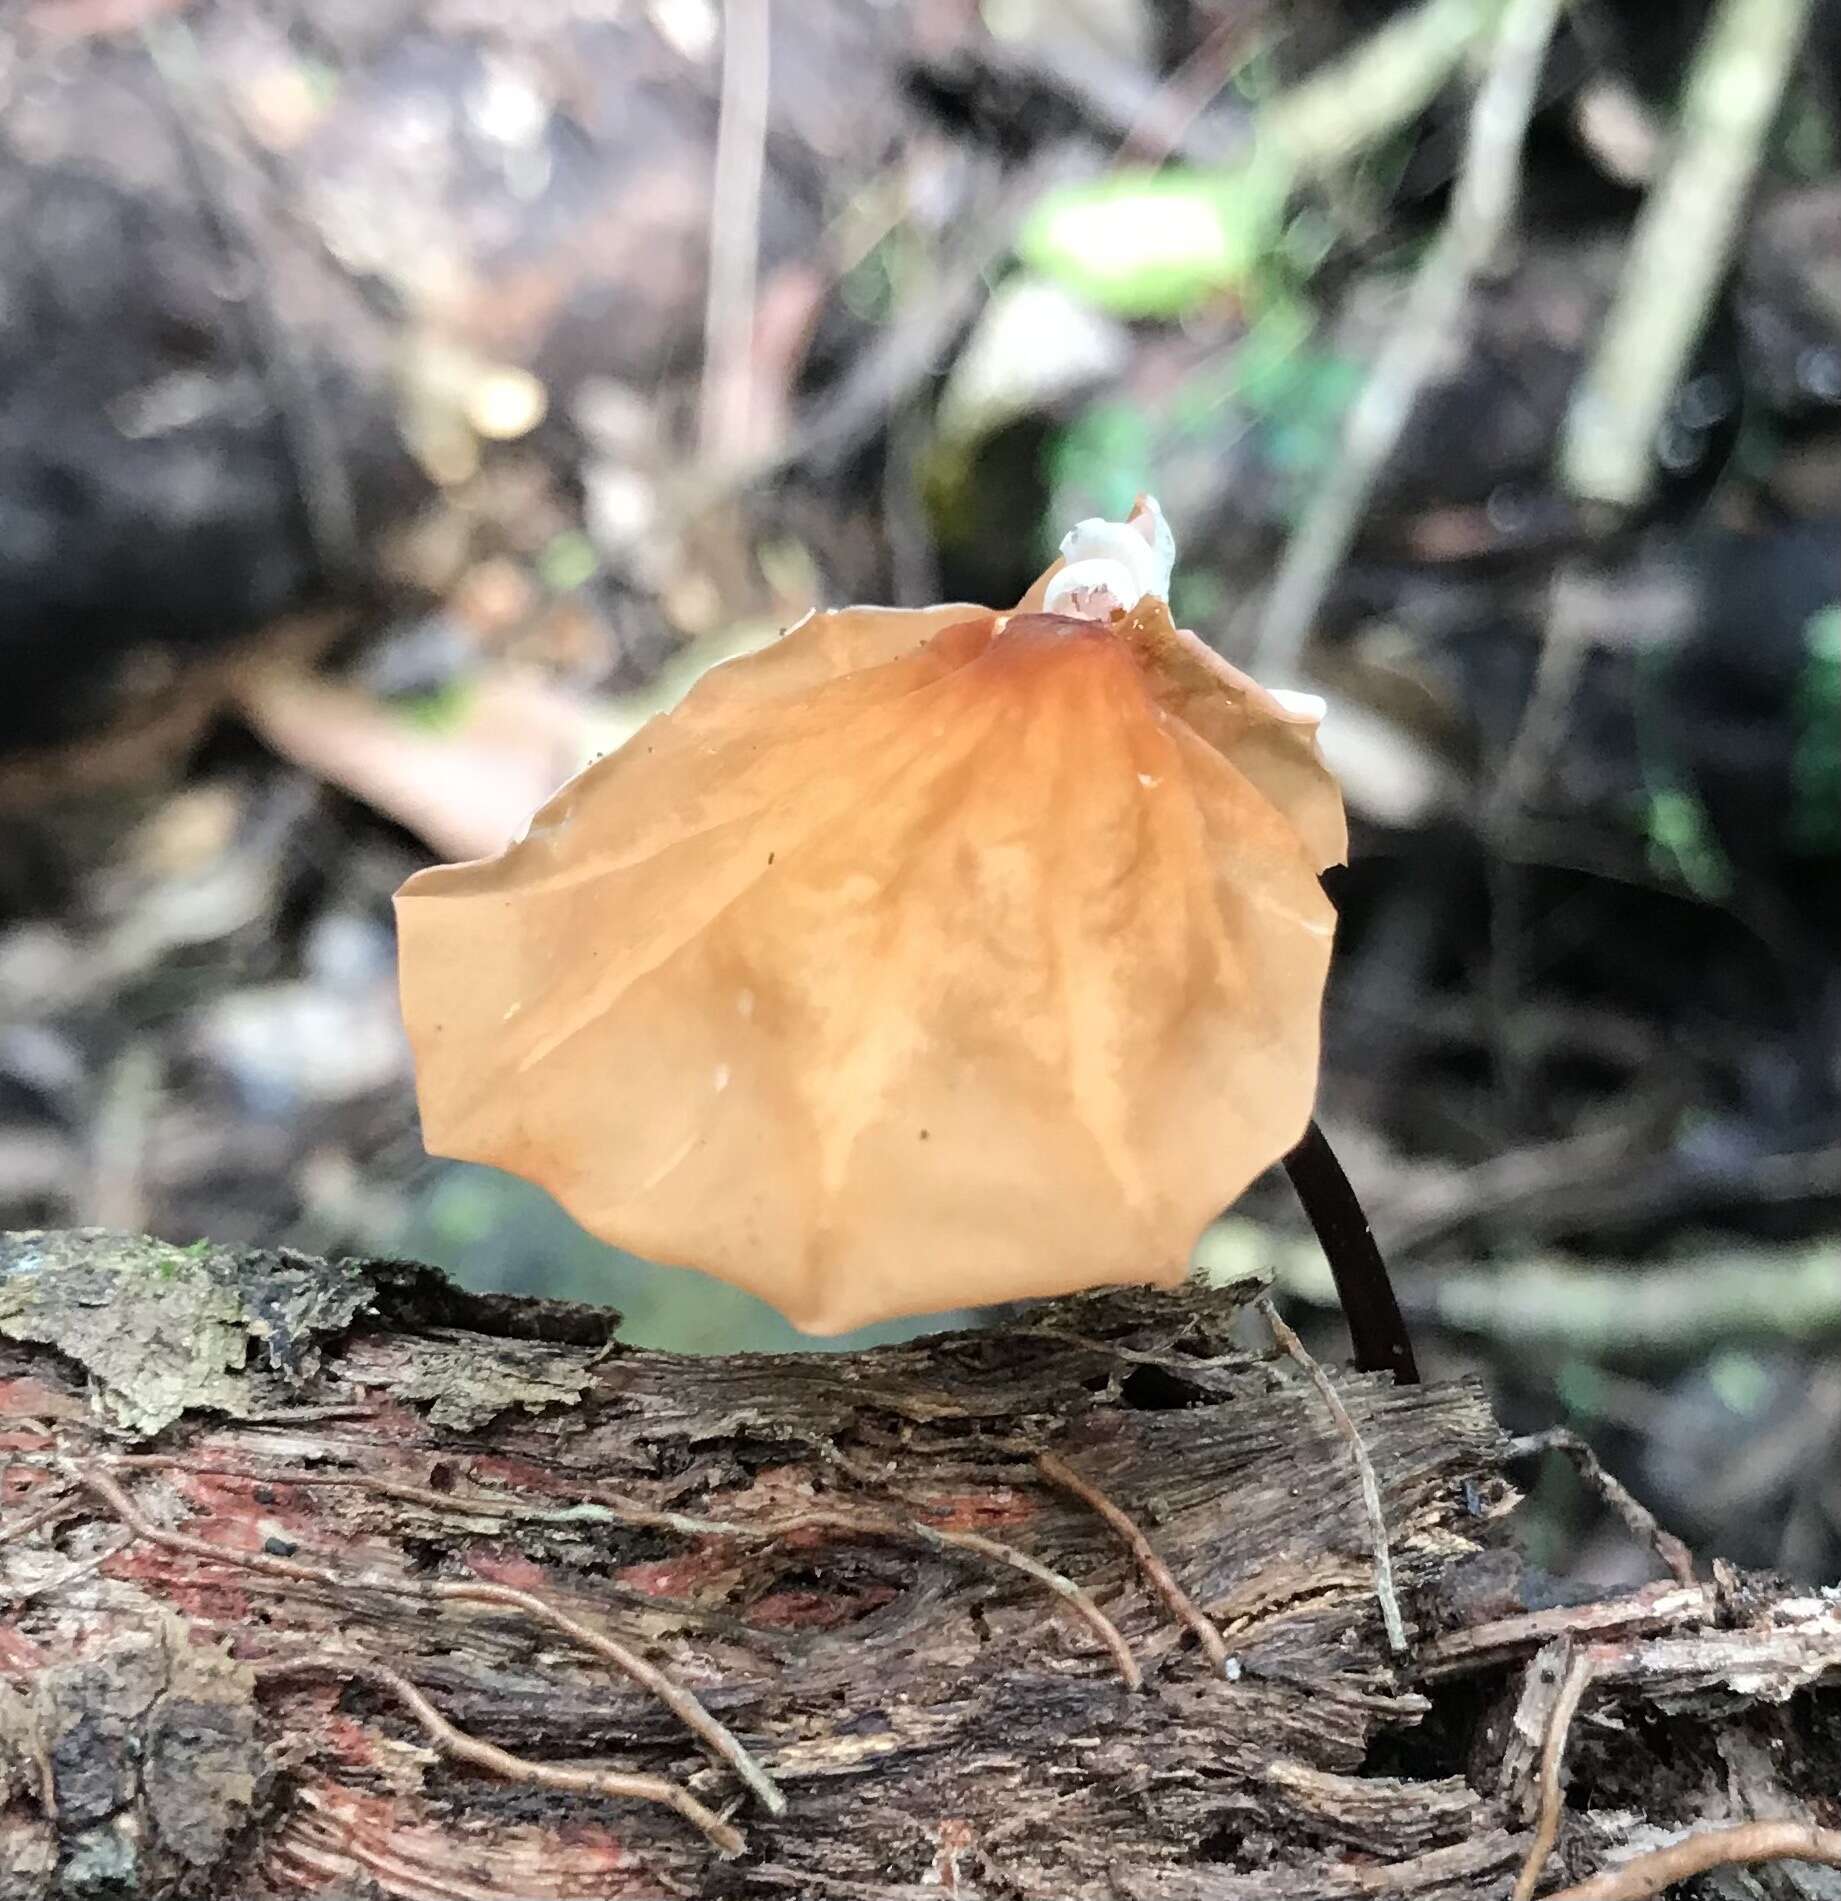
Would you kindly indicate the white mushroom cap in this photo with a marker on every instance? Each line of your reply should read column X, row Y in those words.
column 1112, row 565
column 1108, row 567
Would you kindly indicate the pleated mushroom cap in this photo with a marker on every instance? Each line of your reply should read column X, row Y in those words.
column 918, row 961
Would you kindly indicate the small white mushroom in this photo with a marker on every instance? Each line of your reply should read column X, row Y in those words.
column 1093, row 590
column 1112, row 565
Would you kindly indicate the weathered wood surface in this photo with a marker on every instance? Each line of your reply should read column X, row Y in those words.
column 939, row 1722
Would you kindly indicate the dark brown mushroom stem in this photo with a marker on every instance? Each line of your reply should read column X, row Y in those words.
column 1367, row 1295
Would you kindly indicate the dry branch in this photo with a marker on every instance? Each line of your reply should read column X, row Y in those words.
column 316, row 1579
column 1682, row 248
column 1482, row 208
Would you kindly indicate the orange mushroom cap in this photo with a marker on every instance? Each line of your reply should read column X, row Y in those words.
column 920, row 960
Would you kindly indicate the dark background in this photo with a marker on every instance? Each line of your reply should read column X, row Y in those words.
column 363, row 470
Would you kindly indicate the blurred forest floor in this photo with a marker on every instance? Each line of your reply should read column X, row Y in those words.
column 402, row 400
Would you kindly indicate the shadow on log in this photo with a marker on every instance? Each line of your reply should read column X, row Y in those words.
column 330, row 1579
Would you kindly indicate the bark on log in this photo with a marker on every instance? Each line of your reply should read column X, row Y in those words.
column 264, row 1517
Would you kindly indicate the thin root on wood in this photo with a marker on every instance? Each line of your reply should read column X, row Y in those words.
column 1064, row 1587
column 457, row 1744
column 41, row 1514
column 1058, row 1472
column 615, row 1509
column 875, row 1524
column 1635, row 1514
column 682, row 1704
column 1744, row 1845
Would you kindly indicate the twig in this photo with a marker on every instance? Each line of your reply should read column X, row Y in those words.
column 609, row 1509
column 1182, row 1605
column 1384, row 1592
column 1381, row 84
column 1481, row 209
column 1568, row 635
column 682, row 1704
column 1666, row 1608
column 1748, row 1842
column 1635, row 1514
column 1680, row 250
column 1518, row 1774
column 1112, row 95
column 1673, row 1311
column 1453, row 1202
column 456, row 1743
column 39, row 1515
column 115, row 1194
column 1553, row 1756
column 1164, row 123
column 896, row 366
column 1617, row 126
column 725, row 417
column 1344, row 108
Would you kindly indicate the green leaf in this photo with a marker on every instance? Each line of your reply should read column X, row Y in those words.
column 1159, row 244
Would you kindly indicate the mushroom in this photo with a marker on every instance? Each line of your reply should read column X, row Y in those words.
column 922, row 959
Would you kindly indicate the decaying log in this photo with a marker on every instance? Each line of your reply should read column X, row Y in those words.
column 330, row 1579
